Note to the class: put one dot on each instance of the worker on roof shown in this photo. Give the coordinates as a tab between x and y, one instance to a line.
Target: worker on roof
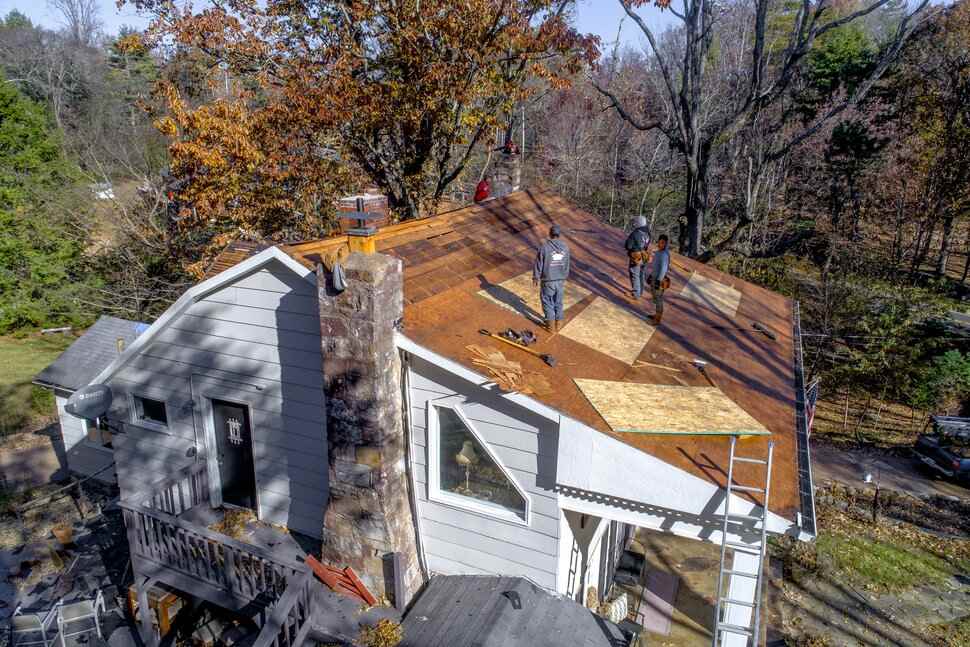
638	251
482	190
550	271
659	281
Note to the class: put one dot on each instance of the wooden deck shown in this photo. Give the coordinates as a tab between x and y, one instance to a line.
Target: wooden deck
170	543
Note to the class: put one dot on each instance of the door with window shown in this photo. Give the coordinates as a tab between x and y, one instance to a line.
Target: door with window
234	453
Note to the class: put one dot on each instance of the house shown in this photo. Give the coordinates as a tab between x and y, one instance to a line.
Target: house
87	444
364	418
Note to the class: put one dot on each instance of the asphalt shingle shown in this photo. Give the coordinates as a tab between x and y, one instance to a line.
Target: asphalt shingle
90	354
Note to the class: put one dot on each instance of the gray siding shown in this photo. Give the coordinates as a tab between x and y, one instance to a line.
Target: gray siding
458	541
255	342
82	457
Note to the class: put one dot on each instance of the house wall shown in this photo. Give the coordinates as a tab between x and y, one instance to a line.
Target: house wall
254	342
82	457
455	540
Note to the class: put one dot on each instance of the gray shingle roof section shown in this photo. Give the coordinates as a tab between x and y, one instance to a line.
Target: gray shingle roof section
90	354
476	610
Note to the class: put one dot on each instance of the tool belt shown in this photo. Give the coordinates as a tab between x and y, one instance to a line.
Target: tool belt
663	284
639	258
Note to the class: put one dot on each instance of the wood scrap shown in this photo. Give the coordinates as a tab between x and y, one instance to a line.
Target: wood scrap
507	374
642	364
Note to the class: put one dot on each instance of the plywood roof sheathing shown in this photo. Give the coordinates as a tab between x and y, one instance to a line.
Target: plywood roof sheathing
630	407
711	293
519	295
609	329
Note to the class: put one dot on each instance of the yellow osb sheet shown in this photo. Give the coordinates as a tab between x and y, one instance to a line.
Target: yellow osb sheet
668	409
519	295
610	329
712	294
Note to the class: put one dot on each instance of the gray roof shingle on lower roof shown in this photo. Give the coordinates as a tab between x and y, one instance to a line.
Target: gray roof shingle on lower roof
465	610
90	354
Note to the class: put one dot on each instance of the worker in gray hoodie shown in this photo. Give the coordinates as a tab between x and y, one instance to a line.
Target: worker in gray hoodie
550	271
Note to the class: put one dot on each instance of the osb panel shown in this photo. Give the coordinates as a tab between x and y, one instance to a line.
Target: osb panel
610	329
519	295
666	409
712	294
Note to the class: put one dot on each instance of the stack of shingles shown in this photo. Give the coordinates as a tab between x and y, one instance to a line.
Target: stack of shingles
508	375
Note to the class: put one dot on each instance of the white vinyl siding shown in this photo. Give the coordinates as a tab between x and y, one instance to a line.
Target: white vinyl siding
459	540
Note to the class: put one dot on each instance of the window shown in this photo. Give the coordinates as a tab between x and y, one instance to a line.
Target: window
468	474
150	411
98	433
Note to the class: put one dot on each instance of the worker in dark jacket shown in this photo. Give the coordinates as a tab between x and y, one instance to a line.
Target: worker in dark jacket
659	279
638	251
551	270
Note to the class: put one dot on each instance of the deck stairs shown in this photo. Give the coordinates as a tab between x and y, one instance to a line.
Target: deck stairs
740	580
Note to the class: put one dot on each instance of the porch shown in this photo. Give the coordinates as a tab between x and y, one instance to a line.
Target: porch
170	542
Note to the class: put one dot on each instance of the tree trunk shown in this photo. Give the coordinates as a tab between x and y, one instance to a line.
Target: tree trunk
944	256
966	261
695	209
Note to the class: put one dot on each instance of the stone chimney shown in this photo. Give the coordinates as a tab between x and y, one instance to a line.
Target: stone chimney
369	513
506	173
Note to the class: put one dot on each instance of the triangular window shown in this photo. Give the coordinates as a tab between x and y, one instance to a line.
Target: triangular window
468	474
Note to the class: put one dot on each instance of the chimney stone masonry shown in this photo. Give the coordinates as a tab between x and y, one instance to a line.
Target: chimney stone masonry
369	512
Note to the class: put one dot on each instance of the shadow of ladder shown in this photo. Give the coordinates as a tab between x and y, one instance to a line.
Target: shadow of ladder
737	621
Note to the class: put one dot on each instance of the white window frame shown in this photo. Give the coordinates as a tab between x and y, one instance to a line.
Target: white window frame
149	424
436	494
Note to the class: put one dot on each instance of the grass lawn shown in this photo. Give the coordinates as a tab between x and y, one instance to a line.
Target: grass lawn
882	565
953	634
876	423
22	403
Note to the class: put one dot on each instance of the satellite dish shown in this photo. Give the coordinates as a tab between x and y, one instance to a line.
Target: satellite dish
90	402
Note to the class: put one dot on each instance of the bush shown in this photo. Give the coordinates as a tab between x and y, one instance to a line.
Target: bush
386	633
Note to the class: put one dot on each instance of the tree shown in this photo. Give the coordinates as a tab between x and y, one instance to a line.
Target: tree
42	276
706	100
406	89
81	19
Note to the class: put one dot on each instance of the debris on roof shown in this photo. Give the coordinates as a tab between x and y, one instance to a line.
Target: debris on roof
664	409
91	353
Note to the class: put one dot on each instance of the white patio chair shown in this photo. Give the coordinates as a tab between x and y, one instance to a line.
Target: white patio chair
33	628
84	613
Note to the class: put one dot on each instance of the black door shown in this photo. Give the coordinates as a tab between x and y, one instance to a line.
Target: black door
234	445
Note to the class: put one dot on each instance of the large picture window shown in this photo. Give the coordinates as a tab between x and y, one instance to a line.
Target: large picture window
467	474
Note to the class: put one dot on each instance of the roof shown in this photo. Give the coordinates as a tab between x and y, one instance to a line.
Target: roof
459	266
90	354
461	610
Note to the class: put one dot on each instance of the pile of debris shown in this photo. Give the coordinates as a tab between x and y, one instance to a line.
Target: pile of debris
508	375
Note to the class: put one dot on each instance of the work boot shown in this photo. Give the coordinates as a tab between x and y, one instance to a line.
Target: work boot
656	318
550	326
556	324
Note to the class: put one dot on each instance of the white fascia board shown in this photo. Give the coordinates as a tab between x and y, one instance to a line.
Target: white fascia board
200	291
591	461
408	345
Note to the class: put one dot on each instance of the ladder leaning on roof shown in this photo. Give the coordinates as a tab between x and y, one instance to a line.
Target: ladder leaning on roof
736	621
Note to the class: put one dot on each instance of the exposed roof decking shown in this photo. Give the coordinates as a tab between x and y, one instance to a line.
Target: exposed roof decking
449	258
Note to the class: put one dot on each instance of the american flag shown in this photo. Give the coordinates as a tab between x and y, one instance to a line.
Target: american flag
811	397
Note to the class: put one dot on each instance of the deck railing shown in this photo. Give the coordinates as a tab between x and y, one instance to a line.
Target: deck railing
196	554
289	622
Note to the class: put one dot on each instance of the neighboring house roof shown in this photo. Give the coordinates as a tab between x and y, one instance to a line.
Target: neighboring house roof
457	268
477	609
90	354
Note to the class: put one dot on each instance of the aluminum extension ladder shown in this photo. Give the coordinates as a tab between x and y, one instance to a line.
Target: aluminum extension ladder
737	622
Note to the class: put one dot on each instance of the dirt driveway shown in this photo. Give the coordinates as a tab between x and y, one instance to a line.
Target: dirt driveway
849	466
